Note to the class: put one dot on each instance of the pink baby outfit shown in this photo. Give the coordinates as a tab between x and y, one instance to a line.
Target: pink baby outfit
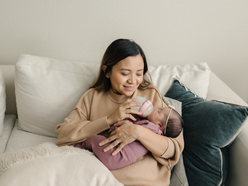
129	154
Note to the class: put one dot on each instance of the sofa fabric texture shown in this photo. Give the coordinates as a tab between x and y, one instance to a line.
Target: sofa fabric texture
61	166
2	101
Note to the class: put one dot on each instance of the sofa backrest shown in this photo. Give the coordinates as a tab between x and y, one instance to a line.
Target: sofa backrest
214	92
47	89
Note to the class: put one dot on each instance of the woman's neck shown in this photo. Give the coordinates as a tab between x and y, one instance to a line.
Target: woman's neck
117	97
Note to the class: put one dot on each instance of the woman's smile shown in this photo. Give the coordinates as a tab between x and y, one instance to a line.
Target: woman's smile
129	88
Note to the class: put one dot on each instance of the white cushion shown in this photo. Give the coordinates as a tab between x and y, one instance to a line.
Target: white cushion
194	76
47	164
48	89
2	101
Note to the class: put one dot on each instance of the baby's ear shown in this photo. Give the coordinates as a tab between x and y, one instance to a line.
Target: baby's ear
160	124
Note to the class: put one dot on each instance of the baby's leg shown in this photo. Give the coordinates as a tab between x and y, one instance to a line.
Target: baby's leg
125	157
129	154
92	141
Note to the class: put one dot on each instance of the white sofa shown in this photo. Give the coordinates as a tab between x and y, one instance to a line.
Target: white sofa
21	110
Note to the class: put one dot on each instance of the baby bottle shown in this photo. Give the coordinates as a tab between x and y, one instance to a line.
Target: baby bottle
146	108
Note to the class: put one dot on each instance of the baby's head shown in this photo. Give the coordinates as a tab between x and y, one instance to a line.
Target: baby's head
168	120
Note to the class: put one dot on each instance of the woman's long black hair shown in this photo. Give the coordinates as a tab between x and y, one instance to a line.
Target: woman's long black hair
117	51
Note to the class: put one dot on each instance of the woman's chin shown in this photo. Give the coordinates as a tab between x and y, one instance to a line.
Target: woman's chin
128	93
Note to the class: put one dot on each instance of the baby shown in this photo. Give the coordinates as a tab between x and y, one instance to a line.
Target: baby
161	121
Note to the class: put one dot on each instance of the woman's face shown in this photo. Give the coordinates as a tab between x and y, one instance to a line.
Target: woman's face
126	75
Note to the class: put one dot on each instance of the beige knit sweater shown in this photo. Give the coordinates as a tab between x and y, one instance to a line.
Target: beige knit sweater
89	117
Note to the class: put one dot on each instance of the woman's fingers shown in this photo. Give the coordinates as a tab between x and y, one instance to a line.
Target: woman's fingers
118	149
115	143
119	123
132	103
124	111
130	116
111	138
113	133
130	112
120	137
116	137
112	145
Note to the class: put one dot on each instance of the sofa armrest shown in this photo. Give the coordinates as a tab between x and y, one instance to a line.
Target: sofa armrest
218	90
238	165
9	121
238	162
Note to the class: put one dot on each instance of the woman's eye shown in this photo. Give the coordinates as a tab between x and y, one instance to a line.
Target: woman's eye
124	74
139	74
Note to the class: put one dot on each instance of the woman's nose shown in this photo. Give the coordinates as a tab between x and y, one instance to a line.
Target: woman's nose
131	79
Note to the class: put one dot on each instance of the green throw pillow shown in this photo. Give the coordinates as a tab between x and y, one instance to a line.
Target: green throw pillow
209	129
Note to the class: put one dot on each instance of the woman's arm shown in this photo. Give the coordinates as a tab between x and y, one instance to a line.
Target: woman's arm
79	125
157	144
76	128
128	132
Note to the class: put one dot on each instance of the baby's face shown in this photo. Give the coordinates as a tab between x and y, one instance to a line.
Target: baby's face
159	115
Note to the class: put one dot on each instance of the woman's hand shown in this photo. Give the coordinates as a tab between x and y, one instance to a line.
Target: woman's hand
123	135
124	111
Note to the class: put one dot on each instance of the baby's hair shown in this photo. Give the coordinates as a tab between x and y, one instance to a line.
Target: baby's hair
174	124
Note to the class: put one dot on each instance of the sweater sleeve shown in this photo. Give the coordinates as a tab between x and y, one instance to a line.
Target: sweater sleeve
77	127
172	154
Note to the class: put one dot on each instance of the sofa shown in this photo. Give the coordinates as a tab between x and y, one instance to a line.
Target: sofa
37	93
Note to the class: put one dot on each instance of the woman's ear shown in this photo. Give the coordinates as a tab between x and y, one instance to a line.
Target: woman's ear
104	67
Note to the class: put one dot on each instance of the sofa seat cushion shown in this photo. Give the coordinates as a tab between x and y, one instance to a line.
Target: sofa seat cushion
9	121
20	139
209	129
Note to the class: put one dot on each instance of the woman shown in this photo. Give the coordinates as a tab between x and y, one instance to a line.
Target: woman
122	75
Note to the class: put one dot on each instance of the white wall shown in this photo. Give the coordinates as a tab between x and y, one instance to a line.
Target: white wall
170	32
